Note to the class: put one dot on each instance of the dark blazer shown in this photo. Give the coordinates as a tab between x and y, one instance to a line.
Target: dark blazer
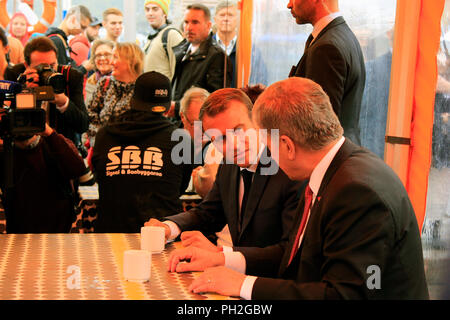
335	61
75	119
362	217
204	68
268	216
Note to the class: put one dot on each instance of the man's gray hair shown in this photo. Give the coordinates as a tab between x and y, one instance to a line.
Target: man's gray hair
225	4
190	95
301	110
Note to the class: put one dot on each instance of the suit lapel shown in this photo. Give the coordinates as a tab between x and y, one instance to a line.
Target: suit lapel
256	191
344	152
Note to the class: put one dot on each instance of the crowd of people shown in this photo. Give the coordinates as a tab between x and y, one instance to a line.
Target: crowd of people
141	120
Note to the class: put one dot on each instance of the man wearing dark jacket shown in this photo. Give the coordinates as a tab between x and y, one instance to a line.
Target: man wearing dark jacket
66	113
200	61
132	159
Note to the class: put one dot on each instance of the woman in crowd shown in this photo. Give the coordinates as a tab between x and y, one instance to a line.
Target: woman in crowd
101	59
113	94
18	27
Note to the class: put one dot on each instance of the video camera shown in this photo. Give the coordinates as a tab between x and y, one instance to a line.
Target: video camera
23	117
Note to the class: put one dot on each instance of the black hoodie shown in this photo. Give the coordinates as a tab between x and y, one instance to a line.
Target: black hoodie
136	175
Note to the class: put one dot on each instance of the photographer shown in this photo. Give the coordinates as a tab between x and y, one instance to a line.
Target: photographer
66	113
41	199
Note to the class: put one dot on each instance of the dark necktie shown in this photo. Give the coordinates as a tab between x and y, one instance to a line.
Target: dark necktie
301	229
308	41
247	176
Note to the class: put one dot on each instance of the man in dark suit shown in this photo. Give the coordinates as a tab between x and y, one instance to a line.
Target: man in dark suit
250	193
332	58
356	234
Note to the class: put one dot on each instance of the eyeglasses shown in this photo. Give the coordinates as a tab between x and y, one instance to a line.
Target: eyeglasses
103	55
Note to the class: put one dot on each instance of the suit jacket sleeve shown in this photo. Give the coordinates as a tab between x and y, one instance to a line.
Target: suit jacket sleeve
76	114
208	217
327	67
255	256
215	74
356	233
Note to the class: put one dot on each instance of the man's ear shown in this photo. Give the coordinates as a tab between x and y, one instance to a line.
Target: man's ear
289	146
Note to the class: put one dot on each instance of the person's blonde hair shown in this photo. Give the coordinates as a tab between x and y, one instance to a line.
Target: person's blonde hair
133	54
109	11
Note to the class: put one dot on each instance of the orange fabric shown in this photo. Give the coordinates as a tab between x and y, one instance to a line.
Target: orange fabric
423	105
4	16
48	15
244	48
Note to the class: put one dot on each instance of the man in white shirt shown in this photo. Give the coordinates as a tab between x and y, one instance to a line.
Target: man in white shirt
356	238
226	20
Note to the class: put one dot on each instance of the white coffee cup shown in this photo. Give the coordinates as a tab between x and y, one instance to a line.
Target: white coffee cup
137	265
153	239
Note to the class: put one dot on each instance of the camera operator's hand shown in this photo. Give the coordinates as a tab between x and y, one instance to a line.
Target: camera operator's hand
32	77
61	101
48	131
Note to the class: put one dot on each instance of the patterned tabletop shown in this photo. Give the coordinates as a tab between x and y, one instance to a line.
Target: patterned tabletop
84	267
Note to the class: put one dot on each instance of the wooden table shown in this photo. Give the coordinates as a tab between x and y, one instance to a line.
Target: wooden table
84	267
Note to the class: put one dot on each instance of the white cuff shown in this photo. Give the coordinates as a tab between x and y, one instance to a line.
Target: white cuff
247	287
64	107
235	260
227	249
174	229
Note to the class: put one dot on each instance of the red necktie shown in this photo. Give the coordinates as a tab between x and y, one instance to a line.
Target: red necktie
308	200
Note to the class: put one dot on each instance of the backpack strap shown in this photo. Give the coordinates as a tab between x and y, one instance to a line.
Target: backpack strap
165	35
65	69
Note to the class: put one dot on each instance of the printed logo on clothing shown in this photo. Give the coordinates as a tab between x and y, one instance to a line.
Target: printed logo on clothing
132	161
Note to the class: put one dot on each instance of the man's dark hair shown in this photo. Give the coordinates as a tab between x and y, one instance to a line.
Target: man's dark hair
202	7
3	37
219	100
41	44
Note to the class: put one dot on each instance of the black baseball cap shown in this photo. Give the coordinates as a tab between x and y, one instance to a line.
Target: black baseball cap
152	92
95	22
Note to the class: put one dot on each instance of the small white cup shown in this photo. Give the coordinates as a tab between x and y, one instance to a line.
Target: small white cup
153	239
137	265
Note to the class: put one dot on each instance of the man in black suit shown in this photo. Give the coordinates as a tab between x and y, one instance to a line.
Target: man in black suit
356	234
333	59
250	193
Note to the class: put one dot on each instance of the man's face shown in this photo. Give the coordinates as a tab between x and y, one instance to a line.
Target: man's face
302	10
92	32
226	19
38	57
113	25
191	116
236	145
155	15
196	26
76	24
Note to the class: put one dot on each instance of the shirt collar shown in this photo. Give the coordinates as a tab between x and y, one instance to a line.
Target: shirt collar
319	171
254	164
222	44
323	22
